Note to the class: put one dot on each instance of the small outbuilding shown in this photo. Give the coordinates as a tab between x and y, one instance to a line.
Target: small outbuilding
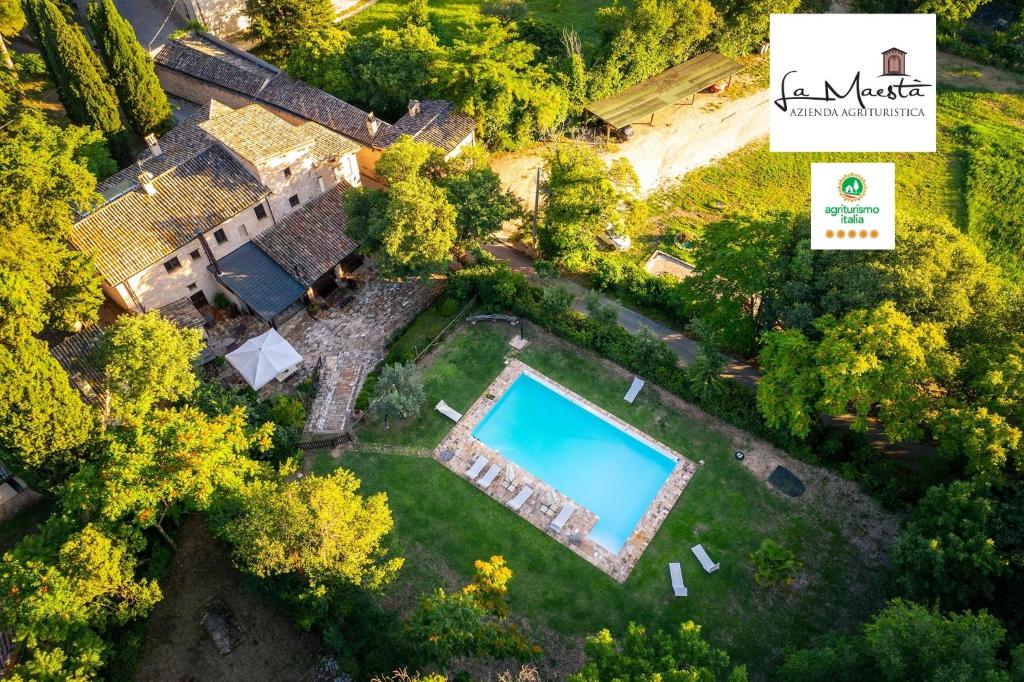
639	103
264	358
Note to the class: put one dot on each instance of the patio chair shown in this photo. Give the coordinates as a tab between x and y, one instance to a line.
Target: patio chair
478	466
675	571
524	494
704	559
634	390
488	478
563	517
447	411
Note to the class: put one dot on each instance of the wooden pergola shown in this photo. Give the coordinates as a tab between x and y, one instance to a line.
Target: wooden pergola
642	101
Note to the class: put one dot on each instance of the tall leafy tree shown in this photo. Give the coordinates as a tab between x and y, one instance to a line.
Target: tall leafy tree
420	231
388	67
643	656
131	69
482	206
43	420
789	390
76	71
398	394
175	461
946	550
493	76
317	528
12	20
282	24
907	641
146	360
61	596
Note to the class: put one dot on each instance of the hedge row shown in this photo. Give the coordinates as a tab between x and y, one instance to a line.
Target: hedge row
498	288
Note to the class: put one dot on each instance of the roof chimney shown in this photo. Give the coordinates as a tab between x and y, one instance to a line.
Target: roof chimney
146	183
154	145
372	124
414	108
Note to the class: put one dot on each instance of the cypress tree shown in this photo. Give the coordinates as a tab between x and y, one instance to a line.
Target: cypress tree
78	74
131	70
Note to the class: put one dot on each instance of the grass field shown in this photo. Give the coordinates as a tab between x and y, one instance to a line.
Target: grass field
443	524
449	18
971	181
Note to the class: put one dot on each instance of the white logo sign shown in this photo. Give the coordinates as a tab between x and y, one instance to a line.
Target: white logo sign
853	206
852	83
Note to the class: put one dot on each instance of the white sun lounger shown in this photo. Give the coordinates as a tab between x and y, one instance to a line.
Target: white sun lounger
678	587
489	477
704	559
478	466
634	390
447	411
562	518
524	494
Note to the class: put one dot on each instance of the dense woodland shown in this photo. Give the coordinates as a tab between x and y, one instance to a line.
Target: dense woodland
927	340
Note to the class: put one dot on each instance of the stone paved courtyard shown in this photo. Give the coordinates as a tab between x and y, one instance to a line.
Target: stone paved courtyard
350	340
545	503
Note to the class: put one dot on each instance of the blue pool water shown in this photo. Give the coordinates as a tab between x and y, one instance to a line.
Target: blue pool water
579	453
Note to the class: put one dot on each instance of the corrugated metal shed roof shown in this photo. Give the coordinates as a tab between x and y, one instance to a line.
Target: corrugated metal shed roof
637	103
261	283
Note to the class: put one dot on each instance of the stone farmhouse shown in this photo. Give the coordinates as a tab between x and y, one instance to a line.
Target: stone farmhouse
201	67
236	202
244	197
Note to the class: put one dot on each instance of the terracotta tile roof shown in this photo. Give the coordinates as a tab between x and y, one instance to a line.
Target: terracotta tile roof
308	243
189	57
136	230
73	355
179	144
255	134
183	314
316	105
329	144
438	122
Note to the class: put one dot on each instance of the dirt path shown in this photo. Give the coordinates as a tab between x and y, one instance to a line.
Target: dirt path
966	73
177	648
682	138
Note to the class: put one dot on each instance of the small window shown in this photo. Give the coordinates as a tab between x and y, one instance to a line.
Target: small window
261	212
195	254
243	231
293	200
220	236
193	286
172	264
287	172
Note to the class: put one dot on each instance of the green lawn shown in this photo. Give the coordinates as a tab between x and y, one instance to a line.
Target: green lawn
930	187
451	17
443	524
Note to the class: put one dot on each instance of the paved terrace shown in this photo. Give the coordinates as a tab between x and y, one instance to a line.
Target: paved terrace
545	502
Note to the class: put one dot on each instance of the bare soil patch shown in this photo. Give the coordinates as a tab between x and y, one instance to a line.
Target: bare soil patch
178	649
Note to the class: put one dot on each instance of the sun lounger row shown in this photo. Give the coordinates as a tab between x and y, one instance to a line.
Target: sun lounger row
524	494
675	570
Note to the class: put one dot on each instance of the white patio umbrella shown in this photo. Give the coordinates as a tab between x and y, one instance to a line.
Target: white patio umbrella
263	357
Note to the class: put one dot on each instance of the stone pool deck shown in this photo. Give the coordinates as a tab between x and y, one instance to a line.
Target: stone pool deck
546	502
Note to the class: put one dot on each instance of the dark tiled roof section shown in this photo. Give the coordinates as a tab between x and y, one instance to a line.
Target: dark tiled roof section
438	122
180	144
184	56
308	243
316	105
137	230
182	313
263	284
73	355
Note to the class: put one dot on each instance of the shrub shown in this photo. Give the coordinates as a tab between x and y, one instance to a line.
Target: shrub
774	564
505	10
221	300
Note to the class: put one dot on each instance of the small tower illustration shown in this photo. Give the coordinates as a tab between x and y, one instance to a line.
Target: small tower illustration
894	62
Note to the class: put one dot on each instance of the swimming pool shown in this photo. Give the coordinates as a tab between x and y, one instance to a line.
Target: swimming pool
578	452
